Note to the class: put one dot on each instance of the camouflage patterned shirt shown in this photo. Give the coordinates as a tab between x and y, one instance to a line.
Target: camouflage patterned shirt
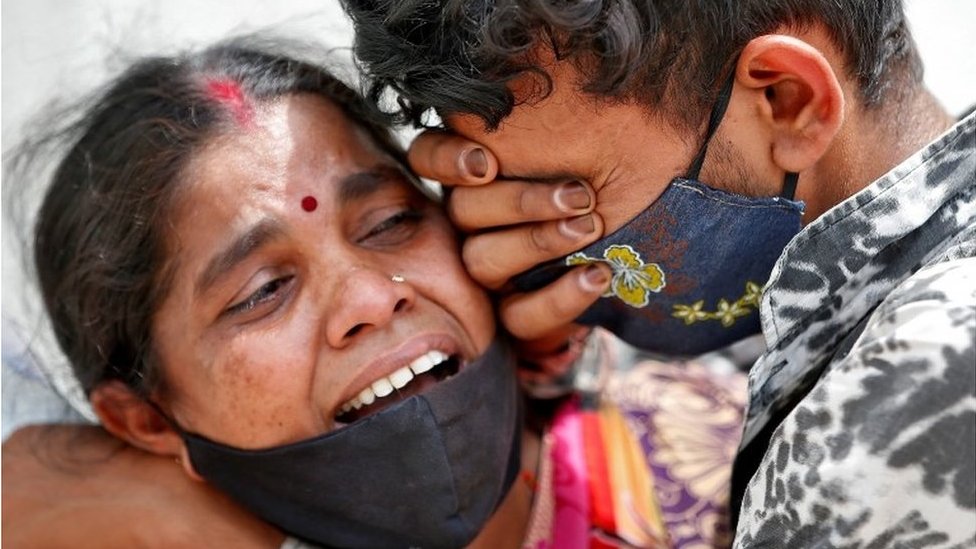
861	422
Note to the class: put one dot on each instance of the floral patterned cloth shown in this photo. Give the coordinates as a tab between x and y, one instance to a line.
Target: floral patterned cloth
688	420
684	419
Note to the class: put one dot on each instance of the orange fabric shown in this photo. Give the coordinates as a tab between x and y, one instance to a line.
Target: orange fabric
598	476
638	520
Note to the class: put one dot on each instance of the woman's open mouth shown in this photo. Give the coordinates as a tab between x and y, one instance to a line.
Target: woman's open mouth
426	370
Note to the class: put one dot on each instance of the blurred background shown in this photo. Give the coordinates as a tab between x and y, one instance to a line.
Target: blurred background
57	50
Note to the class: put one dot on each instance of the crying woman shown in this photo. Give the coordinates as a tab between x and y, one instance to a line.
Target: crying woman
248	281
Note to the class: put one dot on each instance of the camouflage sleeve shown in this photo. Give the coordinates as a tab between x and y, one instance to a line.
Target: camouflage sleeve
881	452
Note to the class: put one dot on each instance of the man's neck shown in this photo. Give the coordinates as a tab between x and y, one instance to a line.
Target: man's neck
869	145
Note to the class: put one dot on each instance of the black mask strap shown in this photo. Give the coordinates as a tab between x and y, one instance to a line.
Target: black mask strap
789	185
714	119
172	422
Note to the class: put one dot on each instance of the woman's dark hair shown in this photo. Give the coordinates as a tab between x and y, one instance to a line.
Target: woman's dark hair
99	247
456	56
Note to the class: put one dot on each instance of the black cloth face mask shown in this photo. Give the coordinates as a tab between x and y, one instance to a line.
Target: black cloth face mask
429	471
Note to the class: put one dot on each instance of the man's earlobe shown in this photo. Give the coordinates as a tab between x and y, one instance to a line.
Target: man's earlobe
799	96
132	419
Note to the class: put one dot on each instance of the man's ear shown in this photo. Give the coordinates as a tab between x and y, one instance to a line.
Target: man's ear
801	101
132	419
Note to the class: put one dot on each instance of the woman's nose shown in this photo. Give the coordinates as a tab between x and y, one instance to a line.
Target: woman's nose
366	299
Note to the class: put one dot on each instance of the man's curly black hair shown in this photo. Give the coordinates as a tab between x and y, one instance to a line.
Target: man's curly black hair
456	56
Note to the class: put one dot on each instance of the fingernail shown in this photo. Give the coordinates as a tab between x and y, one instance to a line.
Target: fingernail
572	196
594	278
474	162
577	227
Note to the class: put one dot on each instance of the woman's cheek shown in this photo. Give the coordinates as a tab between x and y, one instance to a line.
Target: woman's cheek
473	308
442	276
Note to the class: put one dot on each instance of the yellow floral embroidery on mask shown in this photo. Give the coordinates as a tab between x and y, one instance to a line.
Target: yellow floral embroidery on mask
692	313
633	280
752	295
726	313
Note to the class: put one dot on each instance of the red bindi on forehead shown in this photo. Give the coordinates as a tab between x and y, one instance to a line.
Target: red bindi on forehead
309	203
230	94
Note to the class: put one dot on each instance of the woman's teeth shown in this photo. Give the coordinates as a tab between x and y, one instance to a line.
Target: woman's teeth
397	380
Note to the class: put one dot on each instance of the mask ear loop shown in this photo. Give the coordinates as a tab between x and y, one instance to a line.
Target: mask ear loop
789	185
790	180
172	422
714	119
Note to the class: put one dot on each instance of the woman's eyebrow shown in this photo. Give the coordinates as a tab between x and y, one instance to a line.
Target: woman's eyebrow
238	250
361	184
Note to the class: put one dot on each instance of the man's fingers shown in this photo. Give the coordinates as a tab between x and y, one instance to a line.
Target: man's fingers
451	159
533	315
514	202
494	257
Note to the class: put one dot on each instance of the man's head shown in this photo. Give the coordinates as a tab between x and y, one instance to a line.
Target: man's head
459	56
616	94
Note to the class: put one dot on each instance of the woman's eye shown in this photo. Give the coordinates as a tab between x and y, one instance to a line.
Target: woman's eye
395	228
266	293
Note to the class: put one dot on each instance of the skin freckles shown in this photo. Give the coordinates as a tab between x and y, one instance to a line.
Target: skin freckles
279	315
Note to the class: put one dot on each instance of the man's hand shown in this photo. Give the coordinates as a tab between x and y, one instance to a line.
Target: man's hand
77	486
513	226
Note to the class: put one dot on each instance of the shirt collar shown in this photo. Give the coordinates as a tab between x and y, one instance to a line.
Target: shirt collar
841	266
834	250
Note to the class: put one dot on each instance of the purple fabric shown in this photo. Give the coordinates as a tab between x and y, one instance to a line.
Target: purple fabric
688	421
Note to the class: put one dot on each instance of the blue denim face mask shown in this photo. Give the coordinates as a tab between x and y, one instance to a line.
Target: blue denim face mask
689	270
428	471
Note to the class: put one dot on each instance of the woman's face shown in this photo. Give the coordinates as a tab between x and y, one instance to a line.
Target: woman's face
280	318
